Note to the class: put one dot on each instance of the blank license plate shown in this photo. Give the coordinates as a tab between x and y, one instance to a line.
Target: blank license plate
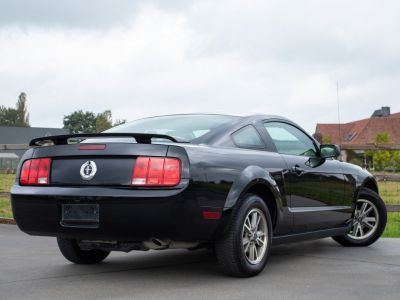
76	215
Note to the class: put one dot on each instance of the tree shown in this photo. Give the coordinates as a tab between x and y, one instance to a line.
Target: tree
326	139
382	138
384	159
88	122
15	116
104	121
7	116
80	122
22	118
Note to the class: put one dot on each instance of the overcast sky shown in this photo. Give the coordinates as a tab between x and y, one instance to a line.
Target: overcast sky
143	58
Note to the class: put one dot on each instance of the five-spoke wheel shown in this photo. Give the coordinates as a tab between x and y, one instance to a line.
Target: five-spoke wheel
254	236
365	220
368	222
244	249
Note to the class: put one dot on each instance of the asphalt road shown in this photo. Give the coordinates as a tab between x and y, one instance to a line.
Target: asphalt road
32	268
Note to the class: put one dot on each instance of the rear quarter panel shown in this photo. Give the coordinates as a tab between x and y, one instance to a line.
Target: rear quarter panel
219	176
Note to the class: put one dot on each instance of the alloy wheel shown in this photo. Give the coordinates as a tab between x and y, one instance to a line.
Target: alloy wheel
365	220
254	236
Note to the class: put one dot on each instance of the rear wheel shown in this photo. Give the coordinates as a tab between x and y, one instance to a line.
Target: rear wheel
71	251
368	222
244	250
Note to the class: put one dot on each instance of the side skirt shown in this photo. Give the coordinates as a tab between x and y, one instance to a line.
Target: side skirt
311	235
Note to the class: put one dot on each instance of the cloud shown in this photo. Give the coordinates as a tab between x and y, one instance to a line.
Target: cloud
239	57
77	13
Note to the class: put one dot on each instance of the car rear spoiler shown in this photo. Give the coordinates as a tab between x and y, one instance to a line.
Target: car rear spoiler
141	138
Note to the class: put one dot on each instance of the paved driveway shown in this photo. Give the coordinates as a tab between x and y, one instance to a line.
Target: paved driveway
31	267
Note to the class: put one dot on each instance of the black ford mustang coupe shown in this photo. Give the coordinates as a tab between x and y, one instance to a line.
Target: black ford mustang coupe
239	184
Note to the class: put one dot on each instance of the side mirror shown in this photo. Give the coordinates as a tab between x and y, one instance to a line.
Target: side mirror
329	150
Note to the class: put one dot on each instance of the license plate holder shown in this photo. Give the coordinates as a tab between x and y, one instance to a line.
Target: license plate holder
80	215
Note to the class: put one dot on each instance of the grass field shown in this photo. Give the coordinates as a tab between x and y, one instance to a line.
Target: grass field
393	225
390	193
5	207
6	181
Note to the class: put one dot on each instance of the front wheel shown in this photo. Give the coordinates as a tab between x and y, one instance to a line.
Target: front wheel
244	250
71	251
368	222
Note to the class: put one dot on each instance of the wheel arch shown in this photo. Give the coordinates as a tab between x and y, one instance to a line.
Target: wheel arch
260	182
264	192
370	183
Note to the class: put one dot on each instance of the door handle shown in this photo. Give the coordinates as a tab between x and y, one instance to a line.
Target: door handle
296	169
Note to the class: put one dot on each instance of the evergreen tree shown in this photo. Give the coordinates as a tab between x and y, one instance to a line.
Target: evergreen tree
22	117
18	116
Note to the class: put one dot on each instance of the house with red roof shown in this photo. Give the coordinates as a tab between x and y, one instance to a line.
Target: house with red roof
355	138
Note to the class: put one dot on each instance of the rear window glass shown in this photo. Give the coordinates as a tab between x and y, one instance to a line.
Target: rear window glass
181	127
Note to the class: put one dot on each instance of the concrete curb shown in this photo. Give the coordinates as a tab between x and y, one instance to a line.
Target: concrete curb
8	221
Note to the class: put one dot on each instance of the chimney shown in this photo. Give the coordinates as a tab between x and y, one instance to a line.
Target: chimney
385	111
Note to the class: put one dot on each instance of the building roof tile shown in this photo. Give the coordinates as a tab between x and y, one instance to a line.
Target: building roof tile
363	132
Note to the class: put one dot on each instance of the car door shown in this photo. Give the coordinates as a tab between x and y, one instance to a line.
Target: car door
315	185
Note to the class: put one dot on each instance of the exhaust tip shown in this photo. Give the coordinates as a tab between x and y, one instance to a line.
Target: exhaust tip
157	242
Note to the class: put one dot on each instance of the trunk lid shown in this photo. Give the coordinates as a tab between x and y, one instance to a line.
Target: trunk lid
111	166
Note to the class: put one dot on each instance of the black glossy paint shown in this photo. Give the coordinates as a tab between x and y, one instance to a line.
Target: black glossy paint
308	197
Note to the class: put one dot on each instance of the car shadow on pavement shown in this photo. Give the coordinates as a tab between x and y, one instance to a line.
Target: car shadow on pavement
172	263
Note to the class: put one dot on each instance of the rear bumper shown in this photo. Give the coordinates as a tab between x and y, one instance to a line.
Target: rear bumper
124	214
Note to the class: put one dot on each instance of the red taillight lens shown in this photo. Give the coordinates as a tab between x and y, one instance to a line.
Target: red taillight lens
35	172
24	176
44	171
172	171
156	171
140	171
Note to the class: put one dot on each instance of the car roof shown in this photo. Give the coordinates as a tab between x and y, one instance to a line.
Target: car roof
239	117
234	124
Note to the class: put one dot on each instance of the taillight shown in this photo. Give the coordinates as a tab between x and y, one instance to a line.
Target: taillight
156	171
35	172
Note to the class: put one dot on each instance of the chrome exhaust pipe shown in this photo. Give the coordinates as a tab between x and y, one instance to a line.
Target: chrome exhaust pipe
155	244
158	244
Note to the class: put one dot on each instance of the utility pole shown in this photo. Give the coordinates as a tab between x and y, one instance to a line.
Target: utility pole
338	112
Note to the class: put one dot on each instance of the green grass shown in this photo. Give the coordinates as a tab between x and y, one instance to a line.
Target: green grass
393	225
390	191
5	207
6	181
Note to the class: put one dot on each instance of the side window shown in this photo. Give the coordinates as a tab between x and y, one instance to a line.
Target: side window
247	137
290	140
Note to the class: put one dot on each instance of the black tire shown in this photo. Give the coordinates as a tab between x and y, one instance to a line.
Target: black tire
71	251
229	250
375	199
